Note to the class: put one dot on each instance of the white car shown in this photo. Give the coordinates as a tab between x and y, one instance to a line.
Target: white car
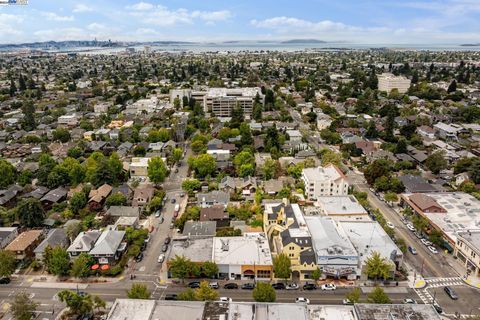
409	301
411	228
426	242
302	300
347	302
225	299
292	286
432	249
390	225
161	258
329	286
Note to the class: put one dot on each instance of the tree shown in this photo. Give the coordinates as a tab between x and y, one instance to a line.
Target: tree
264	292
401	146
78	304
57	261
378	296
187	295
282	266
376	169
316	274
271	169
81	266
116	199
138	291
354	295
78	201
181	267
28	110
330	157
99	303
377	267
210	269
73	229
190	185
61	134
177	154
371	132
203	165
157	170
205	293
436	162
452	87
391	197
23	308
8	174
7	263
30	212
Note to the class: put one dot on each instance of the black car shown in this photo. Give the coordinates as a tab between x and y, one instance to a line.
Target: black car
230	286
248	286
437	307
451	293
139	257
164	248
167	240
172	200
4	280
143	247
171	296
309	286
278	286
194	284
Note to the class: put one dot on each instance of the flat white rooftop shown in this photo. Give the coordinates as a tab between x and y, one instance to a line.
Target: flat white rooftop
251	248
340	205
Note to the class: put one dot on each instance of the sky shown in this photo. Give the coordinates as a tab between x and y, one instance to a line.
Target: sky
352	21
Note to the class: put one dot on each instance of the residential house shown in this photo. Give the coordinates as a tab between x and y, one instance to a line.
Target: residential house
215	213
24	244
142	195
139	167
205	200
246	186
53	196
200	229
109	246
98	196
7	235
448	131
426	132
272	186
83	243
416	184
55	238
123	211
324	181
8	196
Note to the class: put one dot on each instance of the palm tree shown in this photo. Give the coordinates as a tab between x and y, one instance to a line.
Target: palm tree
377	267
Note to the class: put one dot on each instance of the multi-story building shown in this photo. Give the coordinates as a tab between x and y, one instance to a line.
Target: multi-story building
387	82
467	250
324	181
221	101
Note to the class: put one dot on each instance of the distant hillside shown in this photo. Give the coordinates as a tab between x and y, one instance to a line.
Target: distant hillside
293	41
470	45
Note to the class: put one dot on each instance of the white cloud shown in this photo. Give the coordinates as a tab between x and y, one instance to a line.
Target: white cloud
55	17
212	16
7	19
82	8
61	34
141	6
96	27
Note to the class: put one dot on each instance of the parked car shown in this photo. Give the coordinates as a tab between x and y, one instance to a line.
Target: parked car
292	286
437	307
164	248
194	284
451	293
172	200
157	213
426	242
411	227
418	235
172	225
161	258
147	239
302	300
139	257
171	296
167	240
432	249
214	285
347	302
409	301
278	286
4	280
412	250
161	220
390	225
309	286
329	286
225	299
230	286
248	286
182	194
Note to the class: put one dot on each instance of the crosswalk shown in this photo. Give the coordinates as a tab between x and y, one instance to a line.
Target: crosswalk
443	282
424	295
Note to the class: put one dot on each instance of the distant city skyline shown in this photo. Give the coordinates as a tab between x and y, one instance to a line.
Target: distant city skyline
354	21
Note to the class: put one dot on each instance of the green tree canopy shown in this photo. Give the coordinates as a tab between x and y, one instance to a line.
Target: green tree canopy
157	170
138	291
116	199
57	261
8	174
378	296
209	269
203	165
264	292
23	307
191	185
436	162
205	293
354	295
282	266
81	266
30	212
187	295
181	267
78	201
78	304
377	267
7	263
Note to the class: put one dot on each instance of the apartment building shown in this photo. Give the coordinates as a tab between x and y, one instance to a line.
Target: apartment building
387	82
324	181
467	250
221	101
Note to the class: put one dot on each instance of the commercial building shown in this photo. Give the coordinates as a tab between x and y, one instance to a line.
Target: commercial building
324	181
447	212
335	254
387	82
369	237
245	257
340	208
467	250
220	102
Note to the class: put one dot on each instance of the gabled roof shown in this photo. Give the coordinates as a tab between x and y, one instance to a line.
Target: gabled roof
84	241
55	195
108	242
55	237
24	240
123	211
424	202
